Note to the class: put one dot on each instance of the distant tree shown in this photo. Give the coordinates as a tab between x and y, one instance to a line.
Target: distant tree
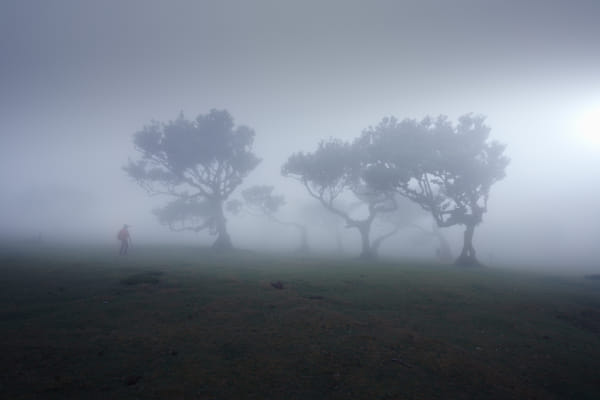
199	163
410	216
260	201
313	214
443	252
185	214
405	215
451	168
337	169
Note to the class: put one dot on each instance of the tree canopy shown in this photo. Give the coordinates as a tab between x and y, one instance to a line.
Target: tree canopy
337	169
261	200
199	163
447	169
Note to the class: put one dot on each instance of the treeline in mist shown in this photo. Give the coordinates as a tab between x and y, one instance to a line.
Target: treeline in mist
447	169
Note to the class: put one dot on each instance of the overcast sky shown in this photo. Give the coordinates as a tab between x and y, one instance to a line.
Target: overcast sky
78	78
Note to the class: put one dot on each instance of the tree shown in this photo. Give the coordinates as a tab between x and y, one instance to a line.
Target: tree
443	251
259	200
199	163
315	215
185	214
337	169
405	215
451	168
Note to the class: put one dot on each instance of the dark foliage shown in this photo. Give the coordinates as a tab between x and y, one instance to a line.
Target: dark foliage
199	163
337	169
447	169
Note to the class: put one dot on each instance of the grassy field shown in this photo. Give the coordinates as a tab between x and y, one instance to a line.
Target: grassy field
169	322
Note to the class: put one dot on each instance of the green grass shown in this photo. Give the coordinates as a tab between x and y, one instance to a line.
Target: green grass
177	322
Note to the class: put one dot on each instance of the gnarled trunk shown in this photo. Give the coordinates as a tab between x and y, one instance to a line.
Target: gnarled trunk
467	256
223	241
303	248
377	242
303	239
366	252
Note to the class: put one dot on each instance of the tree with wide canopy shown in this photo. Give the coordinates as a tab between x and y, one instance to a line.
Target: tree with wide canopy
199	163
337	169
448	169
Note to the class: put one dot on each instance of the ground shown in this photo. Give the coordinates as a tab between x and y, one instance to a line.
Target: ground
176	322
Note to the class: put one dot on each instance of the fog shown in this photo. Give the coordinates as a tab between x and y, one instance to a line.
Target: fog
79	78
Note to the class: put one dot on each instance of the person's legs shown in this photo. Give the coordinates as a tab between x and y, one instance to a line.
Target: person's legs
124	245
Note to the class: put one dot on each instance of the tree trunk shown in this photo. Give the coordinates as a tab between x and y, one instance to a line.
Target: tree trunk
303	249
377	242
223	241
467	256
367	252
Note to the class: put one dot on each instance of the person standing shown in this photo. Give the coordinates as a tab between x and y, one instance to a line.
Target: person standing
125	239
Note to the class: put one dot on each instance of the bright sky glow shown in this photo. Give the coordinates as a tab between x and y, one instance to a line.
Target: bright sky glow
588	127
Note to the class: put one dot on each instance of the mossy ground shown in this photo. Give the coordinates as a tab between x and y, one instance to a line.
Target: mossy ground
175	322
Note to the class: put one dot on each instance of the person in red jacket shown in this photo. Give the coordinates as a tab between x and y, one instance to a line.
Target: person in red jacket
125	239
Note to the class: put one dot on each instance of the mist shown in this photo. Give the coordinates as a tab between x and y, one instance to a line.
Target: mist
80	78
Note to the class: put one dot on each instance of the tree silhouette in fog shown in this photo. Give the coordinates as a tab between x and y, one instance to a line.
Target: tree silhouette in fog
259	200
451	168
199	163
338	169
314	215
410	216
423	229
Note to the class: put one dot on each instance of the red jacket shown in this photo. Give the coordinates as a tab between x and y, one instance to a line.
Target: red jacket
123	234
